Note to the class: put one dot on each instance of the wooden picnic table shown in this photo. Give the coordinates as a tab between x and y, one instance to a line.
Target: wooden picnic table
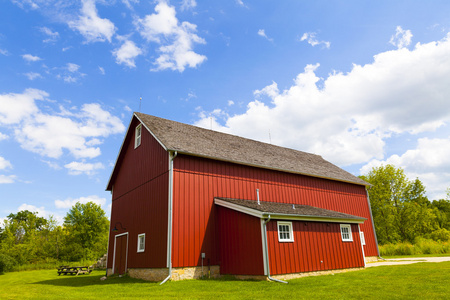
73	270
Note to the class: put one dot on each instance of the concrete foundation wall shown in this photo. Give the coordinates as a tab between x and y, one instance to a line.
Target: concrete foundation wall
371	259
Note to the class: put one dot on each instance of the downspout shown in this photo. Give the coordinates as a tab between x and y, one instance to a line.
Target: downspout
172	156
266	249
373	223
109	234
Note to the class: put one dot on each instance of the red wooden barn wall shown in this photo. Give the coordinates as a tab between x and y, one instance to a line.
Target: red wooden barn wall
140	200
316	247
240	243
197	181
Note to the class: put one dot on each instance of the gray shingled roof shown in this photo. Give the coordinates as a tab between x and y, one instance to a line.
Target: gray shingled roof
192	140
293	210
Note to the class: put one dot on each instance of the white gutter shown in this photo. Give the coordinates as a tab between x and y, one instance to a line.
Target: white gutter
172	156
266	254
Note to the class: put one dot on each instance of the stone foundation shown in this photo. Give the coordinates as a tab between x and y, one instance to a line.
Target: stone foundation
155	274
315	273
371	259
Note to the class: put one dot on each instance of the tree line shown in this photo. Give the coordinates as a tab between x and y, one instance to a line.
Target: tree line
26	238
401	210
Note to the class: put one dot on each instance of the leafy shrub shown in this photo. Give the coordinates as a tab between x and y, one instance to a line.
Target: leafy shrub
441	234
6	263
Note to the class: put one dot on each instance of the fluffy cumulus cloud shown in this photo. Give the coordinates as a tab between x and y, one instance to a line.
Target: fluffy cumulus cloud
68	203
127	54
348	116
176	40
51	36
77	132
429	162
91	26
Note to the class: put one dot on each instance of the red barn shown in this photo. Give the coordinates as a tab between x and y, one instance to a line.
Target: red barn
189	202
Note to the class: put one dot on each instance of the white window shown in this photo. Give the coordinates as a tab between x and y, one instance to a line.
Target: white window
363	240
346	233
141	242
137	136
285	233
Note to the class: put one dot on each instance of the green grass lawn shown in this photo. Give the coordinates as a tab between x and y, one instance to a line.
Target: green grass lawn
420	280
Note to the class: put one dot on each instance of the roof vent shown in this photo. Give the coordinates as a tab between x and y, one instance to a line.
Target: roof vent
257	196
293	206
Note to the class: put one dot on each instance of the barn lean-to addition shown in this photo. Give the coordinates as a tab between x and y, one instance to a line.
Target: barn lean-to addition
189	202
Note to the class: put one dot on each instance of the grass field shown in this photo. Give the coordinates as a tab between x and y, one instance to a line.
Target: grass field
421	280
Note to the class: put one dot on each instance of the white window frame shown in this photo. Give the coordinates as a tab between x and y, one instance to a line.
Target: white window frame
139	249
138	136
291	232
346	233
363	239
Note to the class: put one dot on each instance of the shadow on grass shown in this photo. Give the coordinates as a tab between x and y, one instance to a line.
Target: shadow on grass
91	280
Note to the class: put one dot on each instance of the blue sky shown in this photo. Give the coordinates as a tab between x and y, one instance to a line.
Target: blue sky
361	83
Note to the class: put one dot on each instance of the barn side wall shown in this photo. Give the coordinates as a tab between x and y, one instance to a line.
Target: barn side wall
140	200
317	246
197	181
240	243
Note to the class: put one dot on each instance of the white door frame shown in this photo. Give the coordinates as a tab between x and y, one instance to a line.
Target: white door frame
126	254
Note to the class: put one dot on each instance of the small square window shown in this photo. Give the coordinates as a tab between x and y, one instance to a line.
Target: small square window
137	136
363	239
285	233
141	242
346	233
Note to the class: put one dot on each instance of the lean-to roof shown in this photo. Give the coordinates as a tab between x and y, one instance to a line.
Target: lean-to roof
287	211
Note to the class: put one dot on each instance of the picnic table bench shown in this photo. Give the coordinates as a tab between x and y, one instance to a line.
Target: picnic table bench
73	270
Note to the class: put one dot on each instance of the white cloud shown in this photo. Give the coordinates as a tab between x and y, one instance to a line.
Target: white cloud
128	3
429	162
7	178
102	70
230	102
349	117
41	212
16	107
310	38
188	4
77	131
176	40
5	164
262	33
49	135
3	136
127	54
4	52
70	73
71	67
78	168
91	26
241	3
402	38
33	75
68	203
52	36
29	57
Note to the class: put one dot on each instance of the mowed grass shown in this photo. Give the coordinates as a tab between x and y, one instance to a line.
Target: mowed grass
420	280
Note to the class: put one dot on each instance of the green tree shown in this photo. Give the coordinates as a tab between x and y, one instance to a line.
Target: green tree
85	231
400	208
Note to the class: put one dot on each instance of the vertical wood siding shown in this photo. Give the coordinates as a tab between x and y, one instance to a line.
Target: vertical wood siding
316	247
197	181
240	243
140	200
